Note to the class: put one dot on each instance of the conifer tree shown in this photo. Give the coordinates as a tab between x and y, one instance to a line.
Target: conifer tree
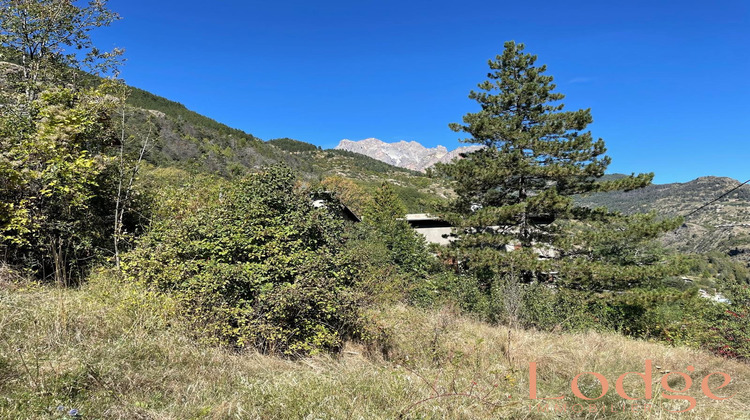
516	193
384	216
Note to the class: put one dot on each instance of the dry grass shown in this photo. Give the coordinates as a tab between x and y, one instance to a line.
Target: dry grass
112	352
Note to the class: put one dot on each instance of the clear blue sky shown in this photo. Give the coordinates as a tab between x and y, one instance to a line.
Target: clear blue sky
667	81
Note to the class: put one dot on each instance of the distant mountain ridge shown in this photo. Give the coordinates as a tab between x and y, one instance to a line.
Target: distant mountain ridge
410	155
723	225
681	199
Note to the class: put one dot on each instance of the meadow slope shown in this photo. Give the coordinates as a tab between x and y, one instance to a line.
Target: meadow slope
113	351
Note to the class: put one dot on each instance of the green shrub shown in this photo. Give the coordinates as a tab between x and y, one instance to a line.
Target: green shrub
255	265
722	328
379	280
453	290
58	186
384	222
548	309
666	314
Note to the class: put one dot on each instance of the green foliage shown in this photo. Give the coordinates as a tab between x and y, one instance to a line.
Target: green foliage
530	143
51	40
725	328
514	211
665	314
721	327
56	182
379	281
445	288
390	259
294	146
385	218
411	191
349	192
549	309
687	319
385	208
255	265
414	199
58	186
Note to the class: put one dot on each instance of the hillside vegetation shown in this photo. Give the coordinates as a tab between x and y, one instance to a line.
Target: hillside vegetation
155	263
182	138
722	226
112	350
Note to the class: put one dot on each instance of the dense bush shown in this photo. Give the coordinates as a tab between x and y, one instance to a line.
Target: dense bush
58	186
664	314
255	265
445	288
723	328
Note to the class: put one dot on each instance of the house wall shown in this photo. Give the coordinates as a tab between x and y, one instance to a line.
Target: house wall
434	235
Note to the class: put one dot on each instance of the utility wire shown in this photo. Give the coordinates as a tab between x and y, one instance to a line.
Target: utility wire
717	198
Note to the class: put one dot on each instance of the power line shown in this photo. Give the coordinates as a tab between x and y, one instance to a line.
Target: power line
717	198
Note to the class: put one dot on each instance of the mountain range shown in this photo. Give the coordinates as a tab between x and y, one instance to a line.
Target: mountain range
186	139
723	225
405	154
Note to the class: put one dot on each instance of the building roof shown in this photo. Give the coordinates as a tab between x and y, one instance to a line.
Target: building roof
419	217
326	199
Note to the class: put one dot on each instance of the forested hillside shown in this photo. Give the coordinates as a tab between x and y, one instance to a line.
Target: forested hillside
182	138
723	225
179	137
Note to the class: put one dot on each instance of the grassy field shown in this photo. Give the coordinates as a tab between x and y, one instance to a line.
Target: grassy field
112	351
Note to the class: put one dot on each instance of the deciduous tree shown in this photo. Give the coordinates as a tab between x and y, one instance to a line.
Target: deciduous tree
51	40
57	179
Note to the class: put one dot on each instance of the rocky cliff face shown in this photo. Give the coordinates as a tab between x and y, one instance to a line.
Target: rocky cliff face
410	155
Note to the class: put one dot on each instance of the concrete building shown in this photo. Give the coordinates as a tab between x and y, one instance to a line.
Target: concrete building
438	231
434	230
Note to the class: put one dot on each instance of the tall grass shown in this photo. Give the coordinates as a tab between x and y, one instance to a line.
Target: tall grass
113	351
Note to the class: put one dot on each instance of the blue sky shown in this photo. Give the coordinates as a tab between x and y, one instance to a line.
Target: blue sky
667	81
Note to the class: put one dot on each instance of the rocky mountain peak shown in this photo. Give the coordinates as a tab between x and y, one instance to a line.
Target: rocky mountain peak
406	154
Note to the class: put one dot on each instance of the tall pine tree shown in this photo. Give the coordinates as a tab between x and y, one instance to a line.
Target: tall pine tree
514	210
